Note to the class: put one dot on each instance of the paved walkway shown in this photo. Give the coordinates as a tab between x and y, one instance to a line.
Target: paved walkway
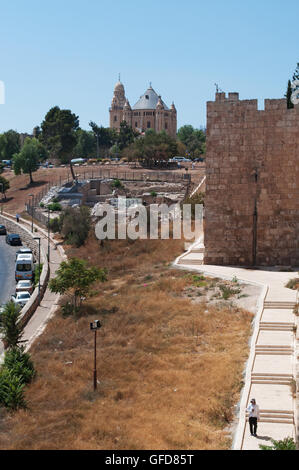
271	369
48	304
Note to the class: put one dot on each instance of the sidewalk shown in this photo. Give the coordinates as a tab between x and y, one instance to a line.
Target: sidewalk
271	369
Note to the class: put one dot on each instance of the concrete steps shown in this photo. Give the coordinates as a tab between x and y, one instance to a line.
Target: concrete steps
277	304
274	379
269	349
275	416
276	326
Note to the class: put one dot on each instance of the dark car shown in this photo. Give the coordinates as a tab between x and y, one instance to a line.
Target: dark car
13	239
2	230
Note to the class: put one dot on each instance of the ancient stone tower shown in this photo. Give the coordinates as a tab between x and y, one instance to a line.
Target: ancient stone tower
252	185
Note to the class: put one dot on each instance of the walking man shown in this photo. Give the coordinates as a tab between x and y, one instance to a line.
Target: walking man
254	416
18	218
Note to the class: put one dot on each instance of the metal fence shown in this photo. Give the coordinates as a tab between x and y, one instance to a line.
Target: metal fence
101	173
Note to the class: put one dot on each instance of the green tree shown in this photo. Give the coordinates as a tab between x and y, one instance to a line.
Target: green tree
11	390
288	95
193	139
105	138
75	279
286	444
9	144
29	157
10	327
75	225
152	148
58	133
4	185
20	364
86	144
296	73
126	135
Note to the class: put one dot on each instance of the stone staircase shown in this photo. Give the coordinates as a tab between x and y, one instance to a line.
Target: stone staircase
277	304
275	416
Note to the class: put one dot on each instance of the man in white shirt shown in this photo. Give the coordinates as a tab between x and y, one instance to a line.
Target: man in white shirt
254	416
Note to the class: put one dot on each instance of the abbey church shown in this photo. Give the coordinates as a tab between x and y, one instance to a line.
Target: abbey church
150	112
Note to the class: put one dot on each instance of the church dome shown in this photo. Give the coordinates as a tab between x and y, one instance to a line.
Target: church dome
149	100
119	88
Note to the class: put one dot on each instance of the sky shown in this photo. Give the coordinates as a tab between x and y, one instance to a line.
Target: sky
69	53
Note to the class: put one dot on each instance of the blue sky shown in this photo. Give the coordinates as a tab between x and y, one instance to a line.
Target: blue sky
69	53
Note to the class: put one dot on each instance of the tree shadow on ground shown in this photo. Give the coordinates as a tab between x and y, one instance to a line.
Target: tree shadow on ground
33	185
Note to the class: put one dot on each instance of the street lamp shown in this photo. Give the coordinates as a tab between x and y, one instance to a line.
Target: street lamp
39	273
31	195
1	197
95	326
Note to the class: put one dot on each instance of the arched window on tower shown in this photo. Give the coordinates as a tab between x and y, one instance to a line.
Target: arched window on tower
115	118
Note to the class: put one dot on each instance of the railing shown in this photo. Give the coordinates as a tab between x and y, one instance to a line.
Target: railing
102	173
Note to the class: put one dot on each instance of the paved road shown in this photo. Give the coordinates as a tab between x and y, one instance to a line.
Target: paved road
7	270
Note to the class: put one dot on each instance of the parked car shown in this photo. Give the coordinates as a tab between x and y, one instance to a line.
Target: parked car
21	298
23	251
13	239
2	230
24	286
24	267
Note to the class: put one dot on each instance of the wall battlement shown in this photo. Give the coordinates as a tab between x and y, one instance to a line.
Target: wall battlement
252	186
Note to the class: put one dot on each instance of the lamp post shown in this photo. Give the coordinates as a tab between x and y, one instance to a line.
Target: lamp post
95	326
39	273
31	195
1	197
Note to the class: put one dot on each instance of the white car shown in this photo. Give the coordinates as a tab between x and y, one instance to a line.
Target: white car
24	286
21	298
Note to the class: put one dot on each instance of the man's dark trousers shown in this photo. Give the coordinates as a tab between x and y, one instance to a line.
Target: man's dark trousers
253	425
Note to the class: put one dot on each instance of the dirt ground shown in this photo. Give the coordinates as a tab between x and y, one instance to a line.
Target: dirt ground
18	194
170	369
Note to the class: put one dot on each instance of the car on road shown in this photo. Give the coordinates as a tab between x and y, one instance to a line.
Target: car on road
24	286
24	267
2	230
23	251
21	298
13	239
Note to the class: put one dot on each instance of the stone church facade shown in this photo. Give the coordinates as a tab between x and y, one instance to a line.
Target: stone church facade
150	112
252	184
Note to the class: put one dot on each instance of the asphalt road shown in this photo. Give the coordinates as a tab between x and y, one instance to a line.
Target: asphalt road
7	270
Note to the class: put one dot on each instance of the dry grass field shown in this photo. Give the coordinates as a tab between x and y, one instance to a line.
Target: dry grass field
170	370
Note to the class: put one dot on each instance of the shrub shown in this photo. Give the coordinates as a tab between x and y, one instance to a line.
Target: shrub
153	194
19	363
42	205
285	444
55	225
75	225
37	272
293	284
11	390
55	207
10	327
117	184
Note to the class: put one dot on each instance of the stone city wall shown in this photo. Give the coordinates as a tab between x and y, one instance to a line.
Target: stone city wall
252	185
